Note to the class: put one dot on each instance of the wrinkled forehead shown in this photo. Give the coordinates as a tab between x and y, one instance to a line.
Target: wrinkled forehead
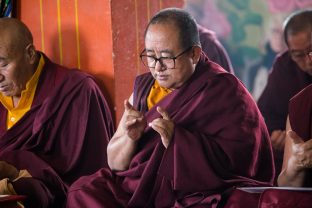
11	41
6	42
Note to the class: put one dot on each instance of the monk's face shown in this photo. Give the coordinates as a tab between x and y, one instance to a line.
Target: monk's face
14	67
300	45
162	40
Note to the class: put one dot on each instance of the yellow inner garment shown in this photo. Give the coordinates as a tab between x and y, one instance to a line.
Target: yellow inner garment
156	94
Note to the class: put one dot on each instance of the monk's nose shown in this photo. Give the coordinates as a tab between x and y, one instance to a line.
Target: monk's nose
160	66
1	77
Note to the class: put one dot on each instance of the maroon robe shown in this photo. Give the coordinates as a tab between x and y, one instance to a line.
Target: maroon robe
285	80
300	113
220	141
62	137
300	118
214	49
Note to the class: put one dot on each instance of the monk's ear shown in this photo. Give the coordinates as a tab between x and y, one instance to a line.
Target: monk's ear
31	53
196	54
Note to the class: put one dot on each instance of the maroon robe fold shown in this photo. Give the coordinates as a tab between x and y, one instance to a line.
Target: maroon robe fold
300	118
285	80
219	141
300	113
213	48
62	137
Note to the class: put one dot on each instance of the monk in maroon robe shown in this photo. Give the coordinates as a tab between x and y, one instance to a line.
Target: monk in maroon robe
291	72
189	132
213	48
65	132
297	164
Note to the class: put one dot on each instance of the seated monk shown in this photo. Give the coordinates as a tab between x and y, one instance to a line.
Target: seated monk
189	132
291	72
54	122
297	164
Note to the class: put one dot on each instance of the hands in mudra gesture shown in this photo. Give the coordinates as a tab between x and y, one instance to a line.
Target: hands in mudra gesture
135	123
301	157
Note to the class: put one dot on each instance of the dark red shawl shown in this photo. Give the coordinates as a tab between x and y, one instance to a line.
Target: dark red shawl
62	137
300	113
220	141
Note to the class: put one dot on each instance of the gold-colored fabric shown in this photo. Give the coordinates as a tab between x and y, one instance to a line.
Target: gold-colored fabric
6	188
27	97
156	94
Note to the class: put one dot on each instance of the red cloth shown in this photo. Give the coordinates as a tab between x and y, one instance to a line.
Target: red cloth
269	198
285	199
300	113
220	140
62	137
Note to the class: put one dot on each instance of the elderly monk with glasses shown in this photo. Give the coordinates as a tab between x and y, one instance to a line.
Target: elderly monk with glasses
189	132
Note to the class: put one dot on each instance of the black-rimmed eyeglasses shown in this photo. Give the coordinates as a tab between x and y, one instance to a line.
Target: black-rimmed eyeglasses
168	62
299	55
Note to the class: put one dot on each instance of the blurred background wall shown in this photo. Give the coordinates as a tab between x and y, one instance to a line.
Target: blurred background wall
250	30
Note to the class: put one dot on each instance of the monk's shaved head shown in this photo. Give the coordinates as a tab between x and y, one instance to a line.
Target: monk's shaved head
15	33
18	57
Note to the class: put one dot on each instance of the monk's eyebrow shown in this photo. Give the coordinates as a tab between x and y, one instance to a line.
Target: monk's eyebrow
162	51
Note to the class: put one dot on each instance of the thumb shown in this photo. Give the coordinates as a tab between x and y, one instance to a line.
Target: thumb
163	113
294	137
127	105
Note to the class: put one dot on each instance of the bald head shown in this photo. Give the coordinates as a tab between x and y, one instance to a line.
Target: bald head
297	22
15	33
18	57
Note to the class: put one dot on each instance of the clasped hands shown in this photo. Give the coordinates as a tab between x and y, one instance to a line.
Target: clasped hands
135	123
301	152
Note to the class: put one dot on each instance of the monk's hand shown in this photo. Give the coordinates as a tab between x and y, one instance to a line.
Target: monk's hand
8	171
134	123
164	126
278	139
301	157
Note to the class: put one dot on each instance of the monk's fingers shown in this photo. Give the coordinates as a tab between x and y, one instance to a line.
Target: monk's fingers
294	137
305	161
131	113
278	139
308	145
130	122
164	128
277	134
164	134
130	110
127	105
163	113
133	121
